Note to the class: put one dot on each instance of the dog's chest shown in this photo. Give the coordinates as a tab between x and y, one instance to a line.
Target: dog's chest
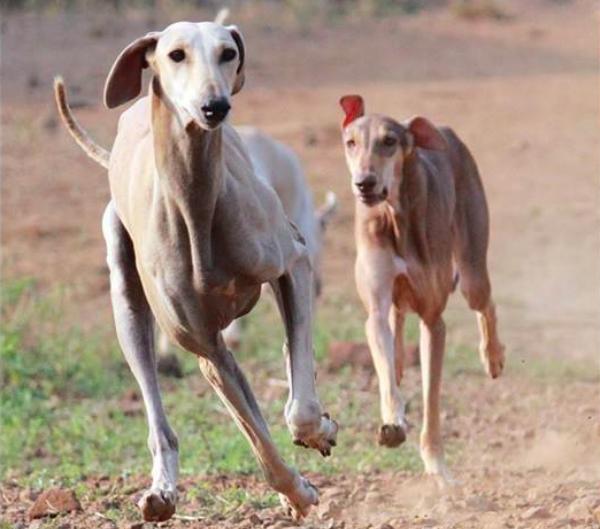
419	283
183	294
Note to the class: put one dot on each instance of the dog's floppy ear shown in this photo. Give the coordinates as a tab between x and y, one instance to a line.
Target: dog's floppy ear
353	106
241	69
426	134
124	81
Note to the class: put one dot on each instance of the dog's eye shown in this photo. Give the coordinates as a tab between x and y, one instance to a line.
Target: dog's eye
350	144
177	55
389	141
228	55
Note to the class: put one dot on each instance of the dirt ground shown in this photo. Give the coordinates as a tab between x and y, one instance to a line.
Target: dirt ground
523	93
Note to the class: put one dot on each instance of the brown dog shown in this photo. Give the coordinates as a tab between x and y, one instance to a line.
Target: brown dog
421	216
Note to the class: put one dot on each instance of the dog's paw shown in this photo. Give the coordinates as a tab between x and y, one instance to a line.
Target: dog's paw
299	501
324	439
157	505
493	360
391	435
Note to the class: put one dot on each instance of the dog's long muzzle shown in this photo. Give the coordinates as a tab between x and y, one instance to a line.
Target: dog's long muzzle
367	193
215	111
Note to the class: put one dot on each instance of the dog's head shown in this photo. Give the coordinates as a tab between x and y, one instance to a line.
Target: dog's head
198	67
377	146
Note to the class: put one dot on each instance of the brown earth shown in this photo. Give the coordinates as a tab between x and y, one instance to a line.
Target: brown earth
530	454
53	502
523	93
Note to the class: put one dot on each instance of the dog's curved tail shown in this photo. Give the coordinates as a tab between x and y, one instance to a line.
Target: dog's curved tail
327	211
222	16
90	147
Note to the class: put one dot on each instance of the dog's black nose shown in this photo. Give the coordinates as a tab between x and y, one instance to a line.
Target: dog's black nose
367	185
216	110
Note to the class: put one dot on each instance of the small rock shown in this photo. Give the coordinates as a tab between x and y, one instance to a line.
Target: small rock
136	525
52	502
535	513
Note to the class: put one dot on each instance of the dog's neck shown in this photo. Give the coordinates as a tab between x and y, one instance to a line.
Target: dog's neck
407	207
189	170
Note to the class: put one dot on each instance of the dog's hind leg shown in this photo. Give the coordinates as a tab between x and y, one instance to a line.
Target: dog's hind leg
470	256
134	325
471	236
475	288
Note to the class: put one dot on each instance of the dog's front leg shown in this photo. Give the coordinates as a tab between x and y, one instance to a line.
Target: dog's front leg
375	274
134	325
222	372
309	426
431	347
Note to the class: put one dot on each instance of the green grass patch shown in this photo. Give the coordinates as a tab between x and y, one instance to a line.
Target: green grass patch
62	415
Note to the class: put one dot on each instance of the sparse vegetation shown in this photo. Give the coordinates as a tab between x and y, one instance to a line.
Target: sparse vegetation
302	12
69	408
479	9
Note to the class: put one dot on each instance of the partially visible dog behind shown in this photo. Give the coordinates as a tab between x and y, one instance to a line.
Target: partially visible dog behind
192	234
421	221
